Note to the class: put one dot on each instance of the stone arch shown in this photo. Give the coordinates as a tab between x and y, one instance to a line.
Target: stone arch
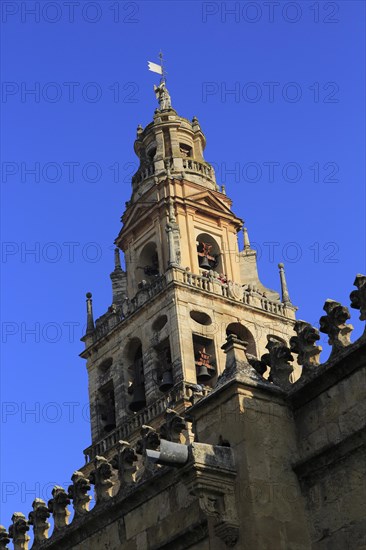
148	263
243	333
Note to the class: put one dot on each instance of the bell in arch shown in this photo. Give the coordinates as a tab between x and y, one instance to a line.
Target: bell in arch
167	381
204	370
203	374
205	264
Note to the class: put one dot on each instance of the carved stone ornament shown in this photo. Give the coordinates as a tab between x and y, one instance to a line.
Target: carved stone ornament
18	531
334	324
124	462
304	345
100	477
78	491
149	440
58	507
235	291
173	426
4	538
358	297
278	360
38	518
215	490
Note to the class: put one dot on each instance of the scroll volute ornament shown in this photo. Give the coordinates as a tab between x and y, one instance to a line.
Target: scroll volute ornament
78	491
100	477
18	531
38	518
358	297
4	538
173	427
278	359
304	345
58	507
124	462
149	440
334	324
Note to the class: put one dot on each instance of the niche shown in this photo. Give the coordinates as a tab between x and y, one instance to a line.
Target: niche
159	323
105	365
106	408
205	359
200	317
243	334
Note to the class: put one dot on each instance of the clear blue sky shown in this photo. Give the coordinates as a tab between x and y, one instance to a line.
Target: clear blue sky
293	131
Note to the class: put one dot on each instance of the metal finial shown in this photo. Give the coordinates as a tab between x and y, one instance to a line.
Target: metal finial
284	289
89	314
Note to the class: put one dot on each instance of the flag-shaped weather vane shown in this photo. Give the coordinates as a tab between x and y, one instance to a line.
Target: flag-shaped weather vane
161	92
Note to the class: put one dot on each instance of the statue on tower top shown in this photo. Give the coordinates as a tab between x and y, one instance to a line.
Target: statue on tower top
161	92
163	97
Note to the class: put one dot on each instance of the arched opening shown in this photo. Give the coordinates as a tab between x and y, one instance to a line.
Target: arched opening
148	264
106	408
164	367
151	153
243	334
209	254
136	388
185	150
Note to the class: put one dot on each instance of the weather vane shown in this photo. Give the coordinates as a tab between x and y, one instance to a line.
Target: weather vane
161	92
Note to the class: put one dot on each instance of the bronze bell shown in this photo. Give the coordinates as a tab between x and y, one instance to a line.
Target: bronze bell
205	264
203	374
138	400
166	381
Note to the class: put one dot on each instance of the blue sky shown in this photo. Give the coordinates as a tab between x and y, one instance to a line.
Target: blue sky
279	92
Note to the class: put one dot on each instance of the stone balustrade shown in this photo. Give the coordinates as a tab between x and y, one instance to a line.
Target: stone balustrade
201	168
246	295
143	173
181	391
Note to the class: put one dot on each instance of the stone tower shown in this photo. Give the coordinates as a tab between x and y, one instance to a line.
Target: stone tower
204	436
185	287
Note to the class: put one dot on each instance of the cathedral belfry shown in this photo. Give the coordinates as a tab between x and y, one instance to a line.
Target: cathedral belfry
206	434
185	288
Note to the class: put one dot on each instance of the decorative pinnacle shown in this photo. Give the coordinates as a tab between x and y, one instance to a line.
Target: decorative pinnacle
285	295
246	238
117	259
89	314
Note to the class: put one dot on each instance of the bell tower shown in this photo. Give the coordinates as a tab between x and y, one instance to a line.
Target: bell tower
186	286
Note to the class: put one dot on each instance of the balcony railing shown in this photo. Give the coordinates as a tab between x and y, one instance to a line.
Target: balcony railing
202	168
233	291
143	173
181	392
